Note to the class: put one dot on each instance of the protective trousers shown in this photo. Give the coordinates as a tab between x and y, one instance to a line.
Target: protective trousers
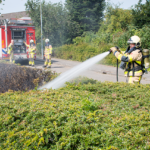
12	57
134	79
31	59
47	60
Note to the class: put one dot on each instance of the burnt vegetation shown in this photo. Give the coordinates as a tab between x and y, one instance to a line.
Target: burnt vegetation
18	78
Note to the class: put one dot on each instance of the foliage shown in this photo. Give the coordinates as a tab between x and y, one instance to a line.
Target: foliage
83	51
117	19
85	15
92	116
1	3
16	78
141	13
115	30
79	52
143	33
53	20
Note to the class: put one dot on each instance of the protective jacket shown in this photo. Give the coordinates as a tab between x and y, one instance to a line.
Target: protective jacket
32	48
48	49
10	48
132	59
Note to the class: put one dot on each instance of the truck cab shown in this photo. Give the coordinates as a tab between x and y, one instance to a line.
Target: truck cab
20	30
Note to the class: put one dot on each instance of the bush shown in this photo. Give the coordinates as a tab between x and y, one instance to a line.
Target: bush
82	116
19	78
82	52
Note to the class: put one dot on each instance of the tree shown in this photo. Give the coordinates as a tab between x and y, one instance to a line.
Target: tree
2	4
116	22
53	18
84	15
141	13
116	19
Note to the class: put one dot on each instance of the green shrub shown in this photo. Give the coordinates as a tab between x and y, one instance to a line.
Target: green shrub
82	116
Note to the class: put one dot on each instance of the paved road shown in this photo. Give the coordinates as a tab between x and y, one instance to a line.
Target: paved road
98	72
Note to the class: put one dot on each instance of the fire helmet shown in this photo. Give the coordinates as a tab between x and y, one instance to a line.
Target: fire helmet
135	40
31	41
47	40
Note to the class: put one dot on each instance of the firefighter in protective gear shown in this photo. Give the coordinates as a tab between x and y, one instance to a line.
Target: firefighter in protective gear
11	51
32	50
47	52
131	60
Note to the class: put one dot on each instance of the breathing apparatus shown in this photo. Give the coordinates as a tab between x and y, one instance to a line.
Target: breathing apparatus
145	60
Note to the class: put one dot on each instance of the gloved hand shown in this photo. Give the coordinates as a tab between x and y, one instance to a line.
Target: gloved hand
113	49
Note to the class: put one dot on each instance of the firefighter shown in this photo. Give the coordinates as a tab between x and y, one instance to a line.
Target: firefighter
32	49
11	51
131	60
47	52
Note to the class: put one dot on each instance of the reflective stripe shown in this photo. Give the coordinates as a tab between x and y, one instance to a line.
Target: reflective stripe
139	62
140	71
130	80
140	78
119	56
130	58
45	63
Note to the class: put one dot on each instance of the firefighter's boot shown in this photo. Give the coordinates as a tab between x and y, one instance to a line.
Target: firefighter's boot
30	63
33	63
45	64
49	65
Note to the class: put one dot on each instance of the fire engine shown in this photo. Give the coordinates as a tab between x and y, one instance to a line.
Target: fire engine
19	30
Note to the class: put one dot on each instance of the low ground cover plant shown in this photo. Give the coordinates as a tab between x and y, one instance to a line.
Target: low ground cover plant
91	116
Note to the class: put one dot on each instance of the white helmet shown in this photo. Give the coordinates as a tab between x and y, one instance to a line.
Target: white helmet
135	40
47	40
31	41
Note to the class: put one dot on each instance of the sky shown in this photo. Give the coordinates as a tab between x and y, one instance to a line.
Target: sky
18	5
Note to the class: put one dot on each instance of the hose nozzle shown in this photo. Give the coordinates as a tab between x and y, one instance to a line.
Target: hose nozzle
110	51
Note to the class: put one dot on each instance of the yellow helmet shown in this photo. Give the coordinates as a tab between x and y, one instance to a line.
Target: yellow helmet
135	40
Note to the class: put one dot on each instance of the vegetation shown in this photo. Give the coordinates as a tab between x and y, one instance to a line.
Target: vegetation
53	19
85	15
17	78
141	14
115	30
81	30
63	23
108	116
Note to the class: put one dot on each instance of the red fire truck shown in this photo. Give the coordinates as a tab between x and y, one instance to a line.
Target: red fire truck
19	30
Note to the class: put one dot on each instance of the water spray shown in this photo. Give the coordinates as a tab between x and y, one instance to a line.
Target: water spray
74	72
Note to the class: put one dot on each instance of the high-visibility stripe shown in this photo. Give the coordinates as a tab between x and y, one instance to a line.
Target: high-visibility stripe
130	58
139	62
140	78
130	80
140	71
119	56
